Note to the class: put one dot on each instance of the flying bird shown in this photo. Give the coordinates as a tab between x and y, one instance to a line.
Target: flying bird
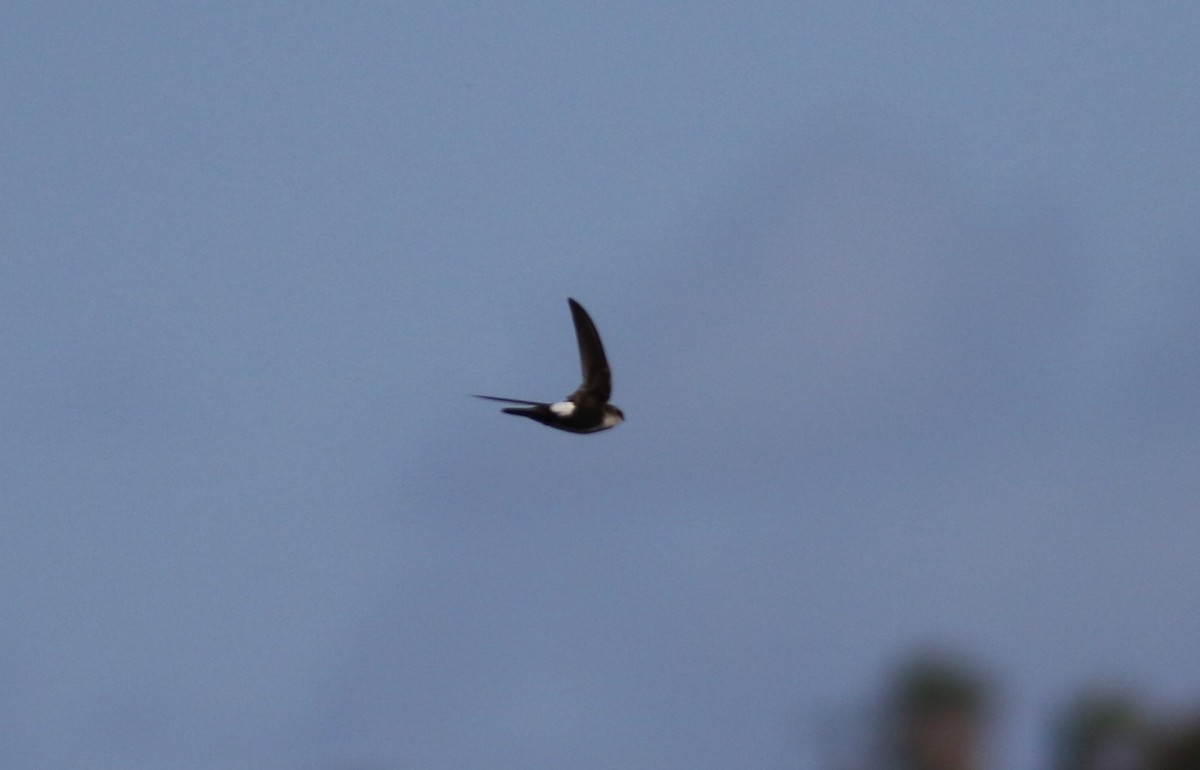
587	409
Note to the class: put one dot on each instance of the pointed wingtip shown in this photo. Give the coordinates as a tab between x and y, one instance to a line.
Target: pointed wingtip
503	400
576	308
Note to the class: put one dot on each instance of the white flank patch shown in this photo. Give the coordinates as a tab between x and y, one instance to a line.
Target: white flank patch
563	408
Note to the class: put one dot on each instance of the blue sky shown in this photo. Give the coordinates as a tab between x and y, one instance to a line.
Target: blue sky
901	306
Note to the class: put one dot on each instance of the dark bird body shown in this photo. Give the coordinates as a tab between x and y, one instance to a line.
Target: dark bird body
587	409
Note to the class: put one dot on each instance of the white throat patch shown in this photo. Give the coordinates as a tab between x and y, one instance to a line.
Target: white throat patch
610	420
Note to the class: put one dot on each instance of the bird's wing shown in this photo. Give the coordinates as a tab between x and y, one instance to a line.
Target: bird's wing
511	400
597	379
